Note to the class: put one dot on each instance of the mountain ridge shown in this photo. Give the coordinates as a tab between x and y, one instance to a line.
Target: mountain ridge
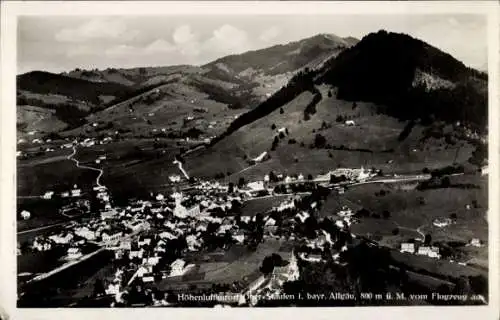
238	81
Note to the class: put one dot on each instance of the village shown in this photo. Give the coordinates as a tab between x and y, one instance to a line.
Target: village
157	242
152	236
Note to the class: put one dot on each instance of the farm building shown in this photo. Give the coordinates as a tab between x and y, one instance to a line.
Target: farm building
408	247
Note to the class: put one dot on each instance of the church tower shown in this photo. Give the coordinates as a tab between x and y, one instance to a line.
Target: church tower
293	268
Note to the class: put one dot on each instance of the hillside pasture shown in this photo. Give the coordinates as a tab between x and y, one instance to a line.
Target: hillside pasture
165	109
374	141
412	212
36	179
42	120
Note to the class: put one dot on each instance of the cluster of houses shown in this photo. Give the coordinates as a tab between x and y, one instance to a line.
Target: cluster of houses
144	230
75	192
66	239
189	216
442	222
354	175
424	250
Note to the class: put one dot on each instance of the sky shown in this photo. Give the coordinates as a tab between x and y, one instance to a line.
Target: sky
63	43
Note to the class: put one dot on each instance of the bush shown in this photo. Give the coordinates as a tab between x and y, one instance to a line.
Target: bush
292	141
282	111
275	143
319	141
427	239
241	182
445	182
447	170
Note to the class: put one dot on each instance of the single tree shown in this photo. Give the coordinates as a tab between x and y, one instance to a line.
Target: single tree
445	182
241	182
427	239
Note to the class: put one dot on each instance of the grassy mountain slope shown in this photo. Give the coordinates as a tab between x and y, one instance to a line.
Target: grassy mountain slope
374	141
221	90
67	100
413	93
267	70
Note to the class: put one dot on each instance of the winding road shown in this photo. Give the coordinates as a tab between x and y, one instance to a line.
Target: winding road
414	230
179	164
78	165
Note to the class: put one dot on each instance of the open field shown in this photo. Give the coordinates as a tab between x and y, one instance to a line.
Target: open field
43	213
412	212
39	262
407	210
55	175
262	205
236	264
434	266
59	289
245	265
130	165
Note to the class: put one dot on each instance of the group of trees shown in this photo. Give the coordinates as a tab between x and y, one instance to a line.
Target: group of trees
337	179
70	113
479	155
277	140
448	170
311	106
435	183
271	261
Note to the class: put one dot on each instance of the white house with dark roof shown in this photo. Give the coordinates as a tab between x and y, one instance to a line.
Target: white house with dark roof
408	247
432	252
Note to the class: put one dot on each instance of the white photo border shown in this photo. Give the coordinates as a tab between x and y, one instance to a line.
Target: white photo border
9	14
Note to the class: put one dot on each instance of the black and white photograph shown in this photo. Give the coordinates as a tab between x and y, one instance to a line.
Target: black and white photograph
252	160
